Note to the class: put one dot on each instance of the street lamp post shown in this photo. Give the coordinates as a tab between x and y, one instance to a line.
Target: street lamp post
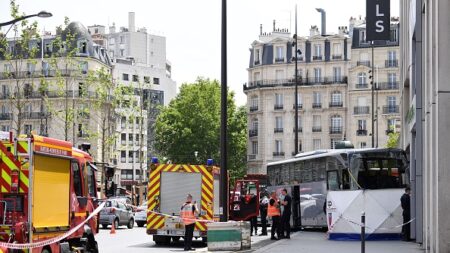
41	14
223	209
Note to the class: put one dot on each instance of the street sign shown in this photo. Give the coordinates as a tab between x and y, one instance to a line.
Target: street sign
378	15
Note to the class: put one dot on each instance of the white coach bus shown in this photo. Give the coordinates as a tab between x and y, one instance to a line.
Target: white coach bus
331	188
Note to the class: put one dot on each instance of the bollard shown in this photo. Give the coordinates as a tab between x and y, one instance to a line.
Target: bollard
363	232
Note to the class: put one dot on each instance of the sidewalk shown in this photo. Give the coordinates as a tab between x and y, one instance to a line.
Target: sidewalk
316	242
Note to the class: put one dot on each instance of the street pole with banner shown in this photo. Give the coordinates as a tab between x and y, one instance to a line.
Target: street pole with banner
378	24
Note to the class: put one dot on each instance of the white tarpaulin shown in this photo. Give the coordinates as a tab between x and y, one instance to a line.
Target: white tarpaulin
382	208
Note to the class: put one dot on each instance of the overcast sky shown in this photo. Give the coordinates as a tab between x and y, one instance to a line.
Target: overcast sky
192	28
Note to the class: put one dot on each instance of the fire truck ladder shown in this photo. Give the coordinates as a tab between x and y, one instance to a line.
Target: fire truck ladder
27	157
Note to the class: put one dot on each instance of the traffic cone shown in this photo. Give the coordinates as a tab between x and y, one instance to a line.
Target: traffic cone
113	228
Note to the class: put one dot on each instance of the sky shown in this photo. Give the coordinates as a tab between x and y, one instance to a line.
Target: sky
192	28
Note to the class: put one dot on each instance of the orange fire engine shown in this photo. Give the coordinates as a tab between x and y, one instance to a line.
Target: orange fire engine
47	188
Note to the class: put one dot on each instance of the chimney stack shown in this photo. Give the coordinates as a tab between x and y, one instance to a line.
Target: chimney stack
112	29
131	26
324	20
260	29
274	25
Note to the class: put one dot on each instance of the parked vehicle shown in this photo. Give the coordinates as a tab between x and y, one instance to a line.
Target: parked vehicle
140	216
117	212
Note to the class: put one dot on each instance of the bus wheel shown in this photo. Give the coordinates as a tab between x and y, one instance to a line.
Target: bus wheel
46	250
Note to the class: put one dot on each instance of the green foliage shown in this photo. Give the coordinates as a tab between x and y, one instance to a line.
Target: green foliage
191	123
393	139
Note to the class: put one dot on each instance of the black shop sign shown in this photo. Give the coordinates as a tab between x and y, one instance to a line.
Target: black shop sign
378	15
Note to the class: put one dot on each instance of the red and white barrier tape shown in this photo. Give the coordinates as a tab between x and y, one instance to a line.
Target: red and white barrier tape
173	216
52	240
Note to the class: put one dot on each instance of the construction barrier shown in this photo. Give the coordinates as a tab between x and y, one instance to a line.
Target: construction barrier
232	235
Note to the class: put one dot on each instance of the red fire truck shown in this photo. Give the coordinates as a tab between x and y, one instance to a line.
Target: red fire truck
47	189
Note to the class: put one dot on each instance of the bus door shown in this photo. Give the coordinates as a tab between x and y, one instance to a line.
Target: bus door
245	200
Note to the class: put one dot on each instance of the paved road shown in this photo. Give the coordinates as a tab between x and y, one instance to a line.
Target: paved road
136	240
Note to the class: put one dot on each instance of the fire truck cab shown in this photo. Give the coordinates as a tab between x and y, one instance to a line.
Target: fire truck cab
47	187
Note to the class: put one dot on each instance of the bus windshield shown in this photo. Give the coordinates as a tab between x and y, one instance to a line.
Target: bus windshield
379	170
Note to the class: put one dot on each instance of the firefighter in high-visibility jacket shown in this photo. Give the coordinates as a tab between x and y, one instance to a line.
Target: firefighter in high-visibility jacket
273	211
187	214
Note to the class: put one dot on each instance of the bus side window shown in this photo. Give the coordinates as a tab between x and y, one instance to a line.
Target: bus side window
333	180
345	180
77	179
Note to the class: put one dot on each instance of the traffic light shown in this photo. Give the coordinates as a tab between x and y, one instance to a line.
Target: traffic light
371	77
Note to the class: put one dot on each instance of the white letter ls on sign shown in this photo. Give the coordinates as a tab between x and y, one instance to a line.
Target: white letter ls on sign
379	25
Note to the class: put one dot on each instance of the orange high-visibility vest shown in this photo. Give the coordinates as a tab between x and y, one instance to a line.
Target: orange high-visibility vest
187	214
273	210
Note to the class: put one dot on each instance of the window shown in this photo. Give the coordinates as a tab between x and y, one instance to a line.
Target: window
278	146
48	48
362	36
299	99
392	55
362	124
130	156
135	78
317	144
111	53
336	98
254	147
392	80
392	124
336	49
126	174
155	80
123	122
30	67
362	78
76	181
278	99
317	75
82	46
394	35
256	77
125	77
27	90
337	74
316	121
333	180
256	56
279	54
5	128
122	52
28	128
336	124
5	90
45	68
299	73
279	122
121	40
84	67
317	97
123	138
146	79
317	50
123	156
130	138
28	108
362	144
151	53
391	101
333	143
255	124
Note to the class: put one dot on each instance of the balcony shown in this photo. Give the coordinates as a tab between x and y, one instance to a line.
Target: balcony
388	86
317	105
299	58
268	83
252	133
300	129
278	130
256	62
253	108
389	131
391	109
336	104
391	63
278	107
34	115
337	57
251	157
336	130
299	106
317	58
278	154
363	63
361	132
358	110
5	116
361	86
316	129
279	60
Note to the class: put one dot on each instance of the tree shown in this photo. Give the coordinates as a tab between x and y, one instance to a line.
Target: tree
19	56
393	138
188	130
